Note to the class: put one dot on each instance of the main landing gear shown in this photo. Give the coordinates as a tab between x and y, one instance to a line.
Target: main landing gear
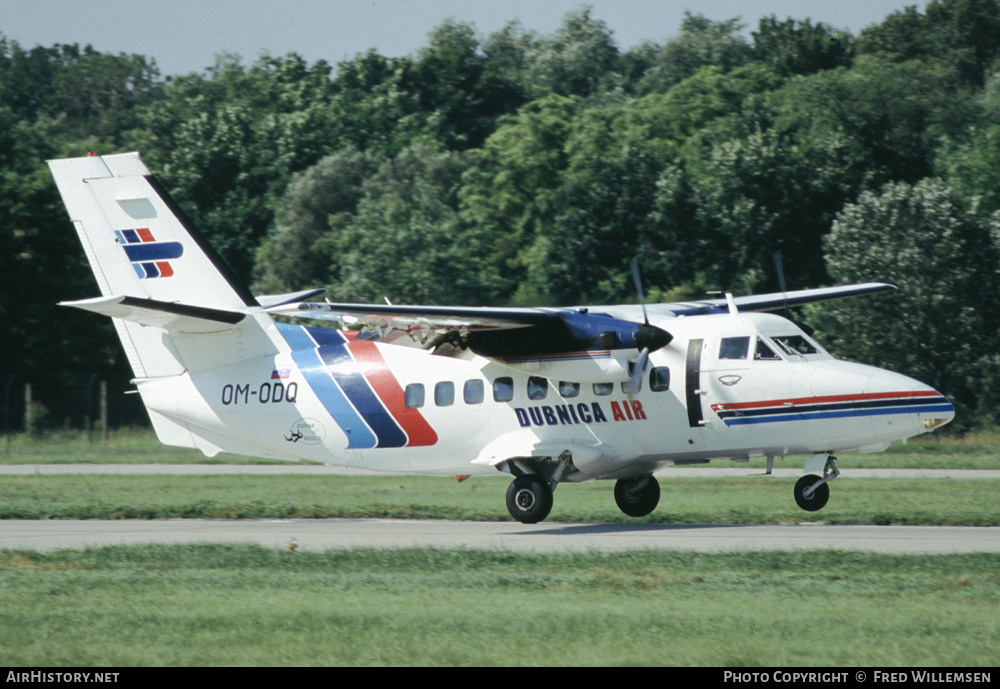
637	497
529	499
812	492
529	496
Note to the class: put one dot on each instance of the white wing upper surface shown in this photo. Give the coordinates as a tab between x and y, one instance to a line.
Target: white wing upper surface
429	326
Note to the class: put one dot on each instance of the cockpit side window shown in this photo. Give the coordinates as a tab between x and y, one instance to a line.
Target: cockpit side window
734	348
764	352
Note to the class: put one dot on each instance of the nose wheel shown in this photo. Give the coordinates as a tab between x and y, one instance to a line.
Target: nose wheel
812	492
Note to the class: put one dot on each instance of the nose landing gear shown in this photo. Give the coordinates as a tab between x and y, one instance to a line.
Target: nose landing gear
812	492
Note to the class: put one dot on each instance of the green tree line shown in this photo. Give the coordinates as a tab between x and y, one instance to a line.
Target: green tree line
527	169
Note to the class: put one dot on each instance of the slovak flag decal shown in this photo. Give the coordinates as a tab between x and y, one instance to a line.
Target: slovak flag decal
150	258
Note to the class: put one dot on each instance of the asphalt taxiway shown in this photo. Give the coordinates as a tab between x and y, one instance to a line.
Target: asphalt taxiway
322	534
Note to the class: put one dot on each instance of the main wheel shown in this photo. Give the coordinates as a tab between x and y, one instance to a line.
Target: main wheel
529	499
636	499
819	497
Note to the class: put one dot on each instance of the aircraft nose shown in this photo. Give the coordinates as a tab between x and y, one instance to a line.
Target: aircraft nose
934	411
926	408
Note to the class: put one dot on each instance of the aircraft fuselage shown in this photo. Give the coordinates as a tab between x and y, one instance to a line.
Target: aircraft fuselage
727	386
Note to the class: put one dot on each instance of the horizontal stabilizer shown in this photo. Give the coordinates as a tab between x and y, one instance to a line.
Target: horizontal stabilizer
159	314
274	300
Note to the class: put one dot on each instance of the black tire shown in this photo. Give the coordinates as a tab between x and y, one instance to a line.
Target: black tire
635	501
819	497
529	499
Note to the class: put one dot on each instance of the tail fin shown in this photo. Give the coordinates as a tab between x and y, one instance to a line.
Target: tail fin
154	269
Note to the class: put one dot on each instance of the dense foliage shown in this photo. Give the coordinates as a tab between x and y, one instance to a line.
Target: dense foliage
518	168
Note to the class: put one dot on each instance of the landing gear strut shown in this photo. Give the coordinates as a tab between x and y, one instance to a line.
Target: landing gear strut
637	497
812	492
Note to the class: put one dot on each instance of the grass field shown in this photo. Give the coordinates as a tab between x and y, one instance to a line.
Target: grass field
752	500
126	446
244	605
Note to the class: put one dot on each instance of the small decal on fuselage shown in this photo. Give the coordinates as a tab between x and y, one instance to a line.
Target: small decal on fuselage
306	432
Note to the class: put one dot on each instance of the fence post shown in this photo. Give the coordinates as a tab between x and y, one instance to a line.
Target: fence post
6	407
27	410
104	411
88	418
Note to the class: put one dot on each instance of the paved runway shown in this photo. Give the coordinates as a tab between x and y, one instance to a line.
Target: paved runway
321	534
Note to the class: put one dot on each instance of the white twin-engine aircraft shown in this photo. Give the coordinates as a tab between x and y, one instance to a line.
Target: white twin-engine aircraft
548	395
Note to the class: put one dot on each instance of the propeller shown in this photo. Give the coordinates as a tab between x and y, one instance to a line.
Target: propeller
644	334
779	268
638	369
633	266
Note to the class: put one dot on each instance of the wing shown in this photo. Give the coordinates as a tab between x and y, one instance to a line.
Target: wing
521	332
491	332
778	300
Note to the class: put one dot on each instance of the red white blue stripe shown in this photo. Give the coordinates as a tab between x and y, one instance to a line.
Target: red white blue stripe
833	407
354	384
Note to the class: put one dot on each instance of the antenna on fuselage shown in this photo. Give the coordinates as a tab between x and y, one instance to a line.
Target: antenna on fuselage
731	303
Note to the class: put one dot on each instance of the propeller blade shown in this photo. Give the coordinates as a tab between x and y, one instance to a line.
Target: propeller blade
638	368
637	281
779	268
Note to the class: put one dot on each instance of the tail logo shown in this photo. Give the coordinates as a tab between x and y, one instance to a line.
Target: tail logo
150	258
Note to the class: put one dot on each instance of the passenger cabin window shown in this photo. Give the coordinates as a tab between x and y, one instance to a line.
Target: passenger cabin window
414	395
473	392
444	394
503	389
734	348
568	389
604	388
795	344
659	379
538	388
764	352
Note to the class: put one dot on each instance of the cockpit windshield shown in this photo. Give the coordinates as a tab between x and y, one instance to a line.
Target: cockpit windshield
764	352
770	344
794	344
